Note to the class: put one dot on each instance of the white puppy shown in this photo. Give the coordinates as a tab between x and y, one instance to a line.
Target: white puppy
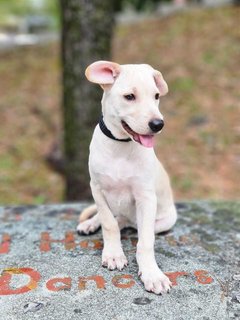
129	185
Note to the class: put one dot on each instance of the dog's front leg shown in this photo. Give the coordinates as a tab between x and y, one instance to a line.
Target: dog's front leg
153	278
112	256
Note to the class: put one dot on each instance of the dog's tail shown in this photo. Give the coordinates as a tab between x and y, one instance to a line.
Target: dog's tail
88	213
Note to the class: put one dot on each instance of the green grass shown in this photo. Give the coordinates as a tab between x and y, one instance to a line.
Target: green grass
198	53
184	84
22	8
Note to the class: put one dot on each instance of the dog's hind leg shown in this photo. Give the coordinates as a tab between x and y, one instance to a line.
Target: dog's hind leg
89	226
88	212
166	222
92	225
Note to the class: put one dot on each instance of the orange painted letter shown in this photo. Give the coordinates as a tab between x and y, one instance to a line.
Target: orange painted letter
203	277
6	277
65	284
5	244
46	241
174	275
99	280
116	281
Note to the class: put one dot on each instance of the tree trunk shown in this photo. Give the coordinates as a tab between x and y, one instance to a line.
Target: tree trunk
87	27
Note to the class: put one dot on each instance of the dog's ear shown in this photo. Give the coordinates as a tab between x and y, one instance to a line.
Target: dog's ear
160	82
102	72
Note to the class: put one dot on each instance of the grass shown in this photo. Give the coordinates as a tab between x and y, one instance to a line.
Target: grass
30	120
12	10
197	52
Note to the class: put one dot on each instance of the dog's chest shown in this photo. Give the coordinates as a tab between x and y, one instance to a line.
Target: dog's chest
114	174
119	167
116	179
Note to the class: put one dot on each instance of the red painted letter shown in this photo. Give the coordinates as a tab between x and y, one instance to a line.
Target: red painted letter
65	284
99	280
46	241
174	275
91	244
203	277
5	245
116	281
6	276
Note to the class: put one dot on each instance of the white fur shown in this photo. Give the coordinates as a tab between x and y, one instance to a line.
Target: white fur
129	184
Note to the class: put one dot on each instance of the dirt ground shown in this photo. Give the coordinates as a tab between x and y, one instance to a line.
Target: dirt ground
198	53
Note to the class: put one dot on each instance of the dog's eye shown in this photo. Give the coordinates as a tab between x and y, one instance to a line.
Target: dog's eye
130	97
157	96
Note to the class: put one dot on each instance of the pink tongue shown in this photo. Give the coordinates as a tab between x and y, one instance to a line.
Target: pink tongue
146	140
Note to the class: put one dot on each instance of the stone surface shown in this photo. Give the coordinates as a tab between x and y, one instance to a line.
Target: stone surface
50	272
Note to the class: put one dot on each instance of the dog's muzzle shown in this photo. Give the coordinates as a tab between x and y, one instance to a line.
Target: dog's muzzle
147	140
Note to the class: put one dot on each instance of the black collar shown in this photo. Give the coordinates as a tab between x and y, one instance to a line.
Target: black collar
108	133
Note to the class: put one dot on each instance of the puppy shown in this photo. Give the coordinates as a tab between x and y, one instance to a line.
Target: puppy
129	185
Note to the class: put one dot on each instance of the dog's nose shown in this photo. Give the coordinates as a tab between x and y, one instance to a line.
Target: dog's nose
156	125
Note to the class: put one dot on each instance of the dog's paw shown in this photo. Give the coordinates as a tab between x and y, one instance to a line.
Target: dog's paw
88	227
116	260
155	281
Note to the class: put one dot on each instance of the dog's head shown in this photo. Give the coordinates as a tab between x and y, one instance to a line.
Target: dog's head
131	99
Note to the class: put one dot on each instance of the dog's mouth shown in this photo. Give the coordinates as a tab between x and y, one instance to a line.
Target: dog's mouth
147	140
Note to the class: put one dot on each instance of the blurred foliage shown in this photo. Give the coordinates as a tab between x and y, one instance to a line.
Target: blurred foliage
199	58
22	8
138	5
51	8
14	7
30	121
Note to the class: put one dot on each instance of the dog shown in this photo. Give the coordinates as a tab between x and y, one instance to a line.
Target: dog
129	185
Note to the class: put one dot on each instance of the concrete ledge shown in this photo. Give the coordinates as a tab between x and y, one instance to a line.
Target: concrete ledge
49	272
